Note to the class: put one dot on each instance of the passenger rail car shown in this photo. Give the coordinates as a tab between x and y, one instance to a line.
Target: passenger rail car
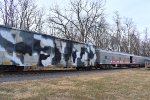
21	50
117	59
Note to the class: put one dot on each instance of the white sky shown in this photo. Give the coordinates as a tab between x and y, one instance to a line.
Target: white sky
138	10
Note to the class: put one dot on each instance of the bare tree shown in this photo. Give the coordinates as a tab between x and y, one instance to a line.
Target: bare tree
100	34
116	33
39	21
27	13
56	17
8	13
23	14
82	15
129	27
135	42
145	45
124	36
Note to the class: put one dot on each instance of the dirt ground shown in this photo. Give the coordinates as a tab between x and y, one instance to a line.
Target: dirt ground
132	84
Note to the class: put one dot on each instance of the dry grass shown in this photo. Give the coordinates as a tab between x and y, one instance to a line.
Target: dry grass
122	85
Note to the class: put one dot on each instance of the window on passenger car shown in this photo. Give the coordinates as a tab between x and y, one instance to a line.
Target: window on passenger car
105	57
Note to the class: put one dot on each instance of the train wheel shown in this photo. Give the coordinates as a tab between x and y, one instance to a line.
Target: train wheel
20	68
89	68
1	69
95	67
78	68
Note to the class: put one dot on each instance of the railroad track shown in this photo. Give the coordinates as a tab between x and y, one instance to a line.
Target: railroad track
35	72
44	74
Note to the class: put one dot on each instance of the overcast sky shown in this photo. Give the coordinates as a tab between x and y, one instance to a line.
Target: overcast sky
138	10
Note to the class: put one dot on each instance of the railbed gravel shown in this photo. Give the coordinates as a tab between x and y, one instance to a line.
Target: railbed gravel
22	76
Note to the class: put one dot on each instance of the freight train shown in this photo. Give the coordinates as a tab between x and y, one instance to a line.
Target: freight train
21	49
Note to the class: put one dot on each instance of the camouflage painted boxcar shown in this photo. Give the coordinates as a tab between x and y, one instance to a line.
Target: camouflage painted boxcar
20	49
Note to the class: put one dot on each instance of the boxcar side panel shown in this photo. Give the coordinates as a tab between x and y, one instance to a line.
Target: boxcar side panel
24	48
7	46
77	54
43	48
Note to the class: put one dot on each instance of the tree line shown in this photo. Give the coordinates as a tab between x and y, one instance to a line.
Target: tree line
83	20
